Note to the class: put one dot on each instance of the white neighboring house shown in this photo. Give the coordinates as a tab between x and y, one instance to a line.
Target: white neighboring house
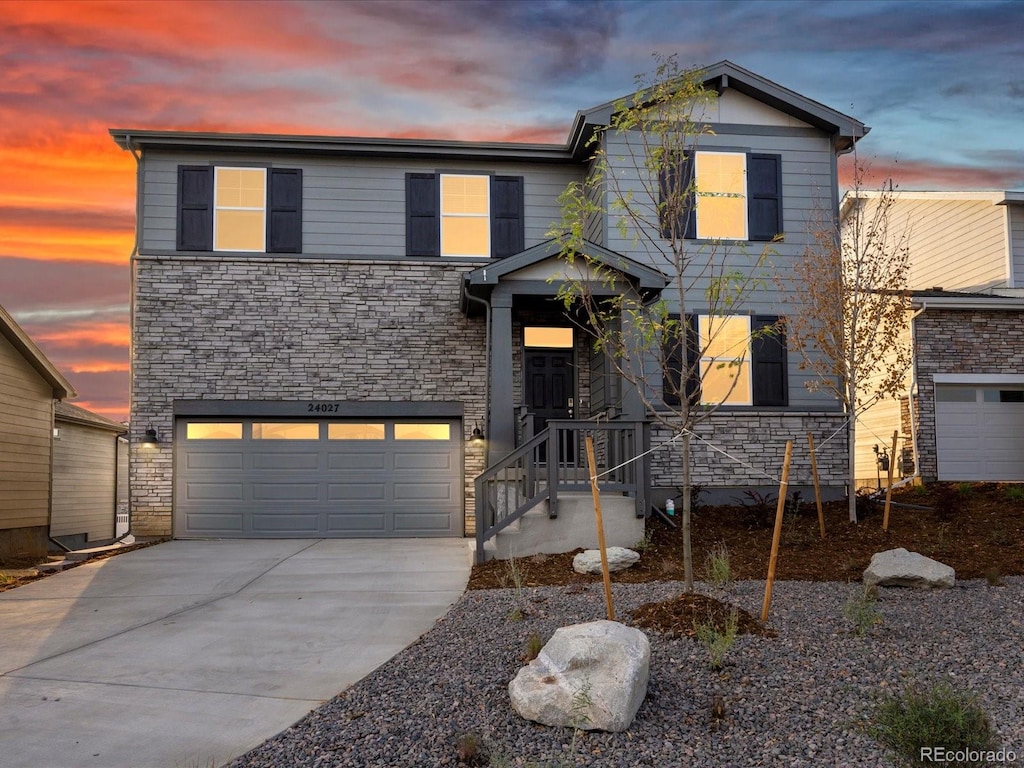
965	420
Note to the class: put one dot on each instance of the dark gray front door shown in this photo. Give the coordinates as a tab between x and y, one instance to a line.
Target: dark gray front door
267	478
549	381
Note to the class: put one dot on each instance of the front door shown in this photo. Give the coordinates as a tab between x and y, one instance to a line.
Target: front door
548	379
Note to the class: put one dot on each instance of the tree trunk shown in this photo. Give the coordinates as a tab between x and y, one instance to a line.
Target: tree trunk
687	501
852	481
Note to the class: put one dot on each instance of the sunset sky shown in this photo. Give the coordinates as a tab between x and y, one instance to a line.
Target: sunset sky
940	83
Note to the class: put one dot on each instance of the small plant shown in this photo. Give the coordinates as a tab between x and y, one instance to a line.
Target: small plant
581	703
717	568
867	504
861	610
949	501
993	577
646	542
1015	493
920	722
534	645
468	750
794	503
696	491
718	643
965	489
5	579
760	508
514	578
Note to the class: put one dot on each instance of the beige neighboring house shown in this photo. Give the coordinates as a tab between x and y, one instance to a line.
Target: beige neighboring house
29	385
962	411
86	452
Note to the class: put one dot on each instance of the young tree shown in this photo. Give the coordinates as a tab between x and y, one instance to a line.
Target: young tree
852	323
641	178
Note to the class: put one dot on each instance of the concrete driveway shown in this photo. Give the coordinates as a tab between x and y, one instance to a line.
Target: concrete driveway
190	653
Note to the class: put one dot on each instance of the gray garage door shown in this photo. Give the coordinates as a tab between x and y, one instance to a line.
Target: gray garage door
979	432
252	478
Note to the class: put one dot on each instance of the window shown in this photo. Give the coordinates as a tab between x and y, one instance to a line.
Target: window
725	360
214	431
732	360
295	430
737	196
350	431
423	432
227	208
463	215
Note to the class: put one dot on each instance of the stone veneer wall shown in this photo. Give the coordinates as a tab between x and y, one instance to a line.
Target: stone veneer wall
294	329
758	440
961	341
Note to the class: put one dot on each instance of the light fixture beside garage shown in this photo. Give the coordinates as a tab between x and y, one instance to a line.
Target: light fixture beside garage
150	438
477	435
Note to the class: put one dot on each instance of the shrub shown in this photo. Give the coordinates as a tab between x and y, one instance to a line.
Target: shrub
717	568
939	717
1015	493
861	610
719	643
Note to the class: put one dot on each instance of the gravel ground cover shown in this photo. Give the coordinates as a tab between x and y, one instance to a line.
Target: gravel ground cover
802	698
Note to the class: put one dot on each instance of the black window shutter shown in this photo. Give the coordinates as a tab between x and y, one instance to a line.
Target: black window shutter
764	196
675	368
195	207
673	178
507	227
768	361
284	217
422	214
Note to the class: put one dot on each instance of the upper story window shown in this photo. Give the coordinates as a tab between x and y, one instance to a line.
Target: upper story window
738	196
240	209
228	208
463	215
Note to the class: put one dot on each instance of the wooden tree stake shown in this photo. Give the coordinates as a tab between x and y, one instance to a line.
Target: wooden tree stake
817	487
777	534
592	464
888	490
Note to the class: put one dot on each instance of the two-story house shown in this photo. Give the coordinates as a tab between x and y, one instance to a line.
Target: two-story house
962	411
336	336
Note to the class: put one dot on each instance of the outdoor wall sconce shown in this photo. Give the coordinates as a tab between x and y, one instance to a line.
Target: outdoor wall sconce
150	438
477	436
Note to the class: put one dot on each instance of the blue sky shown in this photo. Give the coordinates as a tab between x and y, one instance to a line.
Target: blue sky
940	83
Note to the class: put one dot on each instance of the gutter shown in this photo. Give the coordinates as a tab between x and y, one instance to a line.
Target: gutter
131	325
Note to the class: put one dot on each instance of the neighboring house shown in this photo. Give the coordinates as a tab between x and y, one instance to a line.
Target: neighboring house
29	384
965	421
85	466
323	325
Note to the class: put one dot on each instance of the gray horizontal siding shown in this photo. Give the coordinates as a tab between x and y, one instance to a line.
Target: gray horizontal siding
351	207
1016	214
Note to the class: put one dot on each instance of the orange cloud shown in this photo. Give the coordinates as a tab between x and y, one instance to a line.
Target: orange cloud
918	175
114	334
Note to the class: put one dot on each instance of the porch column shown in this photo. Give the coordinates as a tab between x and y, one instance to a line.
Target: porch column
632	403
501	440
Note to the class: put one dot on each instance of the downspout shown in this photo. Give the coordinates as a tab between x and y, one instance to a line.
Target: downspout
487	355
131	320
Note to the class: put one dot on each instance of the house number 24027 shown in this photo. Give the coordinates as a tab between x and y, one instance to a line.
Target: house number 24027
323	407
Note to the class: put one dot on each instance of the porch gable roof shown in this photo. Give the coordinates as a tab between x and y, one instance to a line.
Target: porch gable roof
481	281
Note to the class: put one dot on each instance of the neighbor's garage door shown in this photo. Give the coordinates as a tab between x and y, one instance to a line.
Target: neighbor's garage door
979	432
253	478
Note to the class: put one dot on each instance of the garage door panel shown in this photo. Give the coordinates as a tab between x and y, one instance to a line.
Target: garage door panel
286	491
222	522
423	492
214	491
285	461
407	460
341	492
335	486
368	460
219	460
292	522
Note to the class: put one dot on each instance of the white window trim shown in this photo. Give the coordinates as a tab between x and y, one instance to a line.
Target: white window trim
746	195
980	379
747	361
486	215
263	208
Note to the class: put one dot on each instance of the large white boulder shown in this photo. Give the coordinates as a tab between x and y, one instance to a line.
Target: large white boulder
900	568
619	559
590	676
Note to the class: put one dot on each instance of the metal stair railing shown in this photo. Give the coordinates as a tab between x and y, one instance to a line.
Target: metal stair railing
553	461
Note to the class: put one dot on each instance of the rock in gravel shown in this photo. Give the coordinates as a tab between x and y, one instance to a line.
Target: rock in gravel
900	568
590	676
619	559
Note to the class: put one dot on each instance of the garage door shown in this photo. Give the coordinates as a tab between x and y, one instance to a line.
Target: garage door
251	478
979	432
